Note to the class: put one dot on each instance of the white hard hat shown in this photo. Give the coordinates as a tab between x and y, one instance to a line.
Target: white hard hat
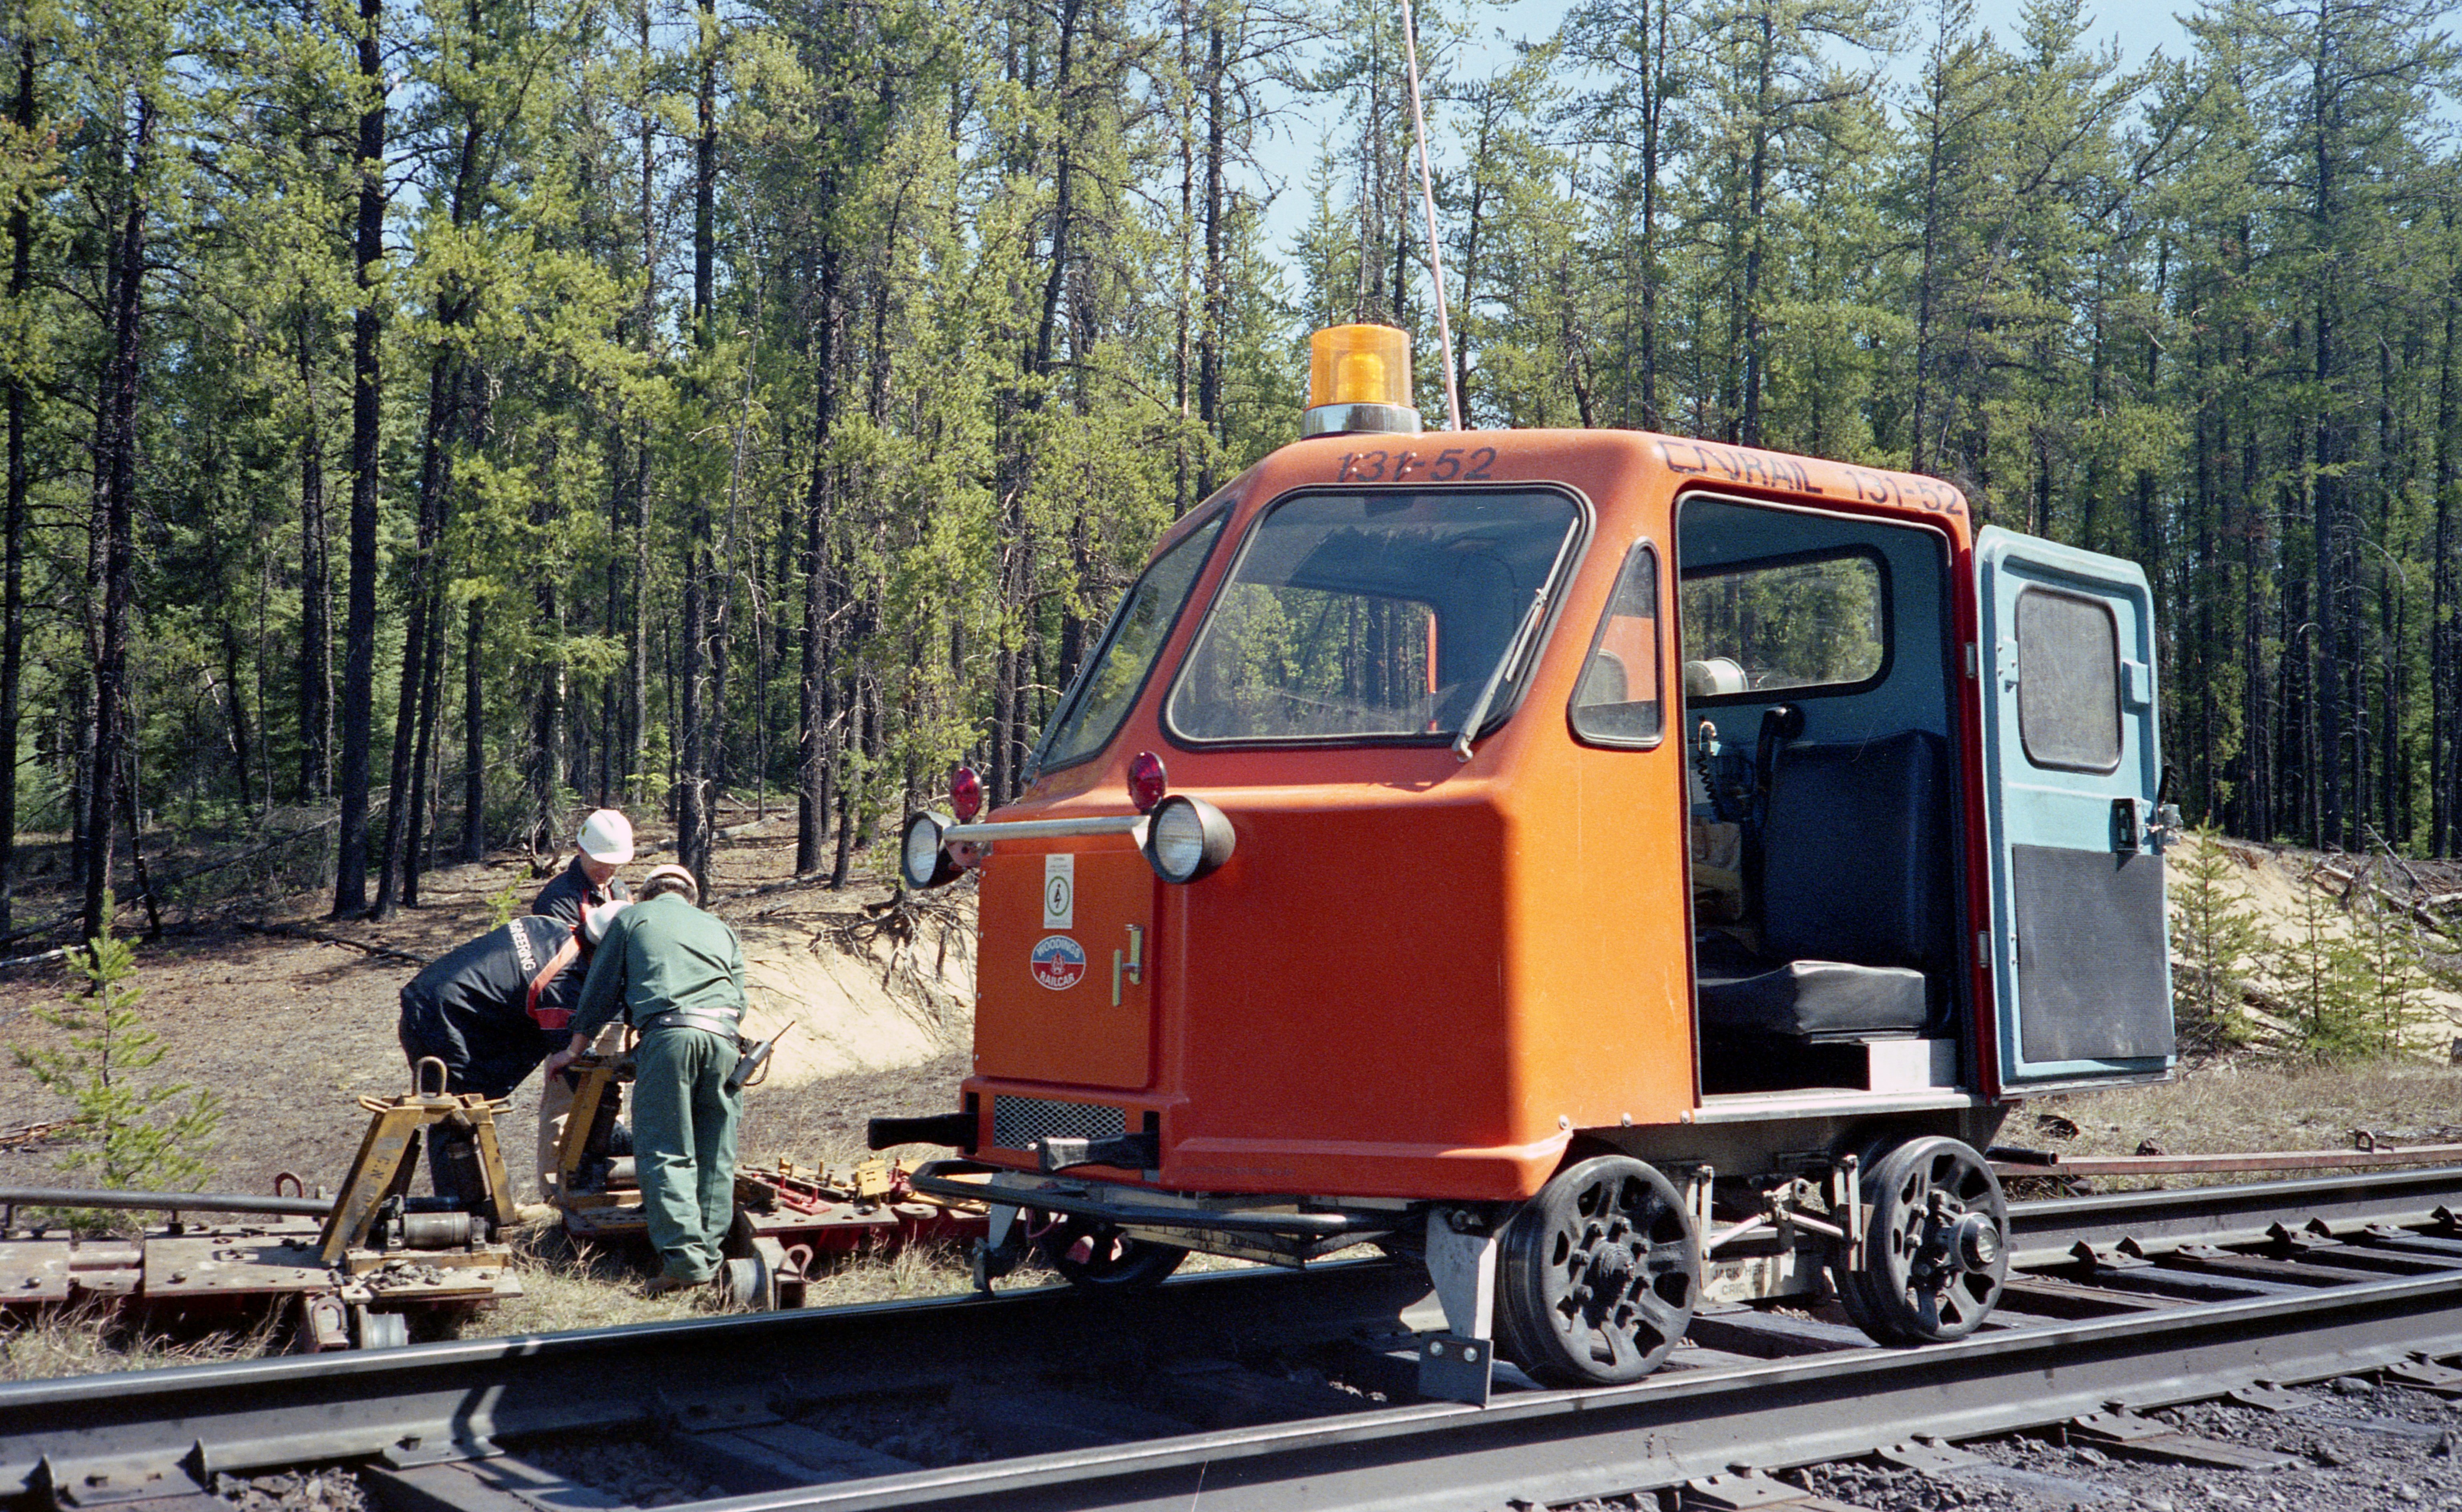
607	836
594	921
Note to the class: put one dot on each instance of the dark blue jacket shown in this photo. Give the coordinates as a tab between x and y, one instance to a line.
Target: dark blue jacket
568	895
494	1008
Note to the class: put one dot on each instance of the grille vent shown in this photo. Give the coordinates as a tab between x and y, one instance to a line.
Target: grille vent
1018	1122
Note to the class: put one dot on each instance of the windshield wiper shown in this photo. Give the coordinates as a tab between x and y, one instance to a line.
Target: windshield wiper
1496	679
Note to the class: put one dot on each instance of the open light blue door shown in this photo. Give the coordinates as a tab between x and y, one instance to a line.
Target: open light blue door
2081	964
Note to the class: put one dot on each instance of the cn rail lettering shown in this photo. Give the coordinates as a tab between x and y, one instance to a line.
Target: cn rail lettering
1698	459
1452	464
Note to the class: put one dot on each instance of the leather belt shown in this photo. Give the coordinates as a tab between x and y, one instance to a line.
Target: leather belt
723	1024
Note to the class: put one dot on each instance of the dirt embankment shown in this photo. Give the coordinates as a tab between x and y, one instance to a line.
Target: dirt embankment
2276	886
289	1018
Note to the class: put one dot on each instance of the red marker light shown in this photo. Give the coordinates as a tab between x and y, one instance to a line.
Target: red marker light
966	794
1148	782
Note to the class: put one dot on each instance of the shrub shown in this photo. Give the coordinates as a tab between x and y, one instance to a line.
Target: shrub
132	1134
2214	942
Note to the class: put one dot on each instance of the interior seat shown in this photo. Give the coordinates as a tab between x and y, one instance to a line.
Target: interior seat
1857	922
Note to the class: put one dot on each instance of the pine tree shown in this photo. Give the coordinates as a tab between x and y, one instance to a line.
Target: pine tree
135	1133
2215	942
2324	980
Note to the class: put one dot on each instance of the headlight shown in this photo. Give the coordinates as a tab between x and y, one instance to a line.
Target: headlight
921	858
1187	837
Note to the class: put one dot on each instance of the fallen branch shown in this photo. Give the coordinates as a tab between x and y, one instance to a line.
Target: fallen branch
325	937
31	1134
2417	909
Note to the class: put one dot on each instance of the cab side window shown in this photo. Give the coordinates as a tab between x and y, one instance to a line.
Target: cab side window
2068	682
1618	701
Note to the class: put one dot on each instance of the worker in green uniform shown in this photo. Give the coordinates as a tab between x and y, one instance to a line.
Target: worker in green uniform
677	974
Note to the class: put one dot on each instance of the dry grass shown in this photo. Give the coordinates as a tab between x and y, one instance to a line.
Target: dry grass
569	1284
2232	1106
581	1286
91	1340
921	1270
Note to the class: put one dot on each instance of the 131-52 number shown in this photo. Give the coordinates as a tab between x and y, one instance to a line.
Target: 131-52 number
1452	464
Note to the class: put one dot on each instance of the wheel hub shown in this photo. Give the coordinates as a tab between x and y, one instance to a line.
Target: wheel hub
1977	1244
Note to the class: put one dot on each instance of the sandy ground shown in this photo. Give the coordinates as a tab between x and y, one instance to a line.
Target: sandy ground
2269	881
290	1021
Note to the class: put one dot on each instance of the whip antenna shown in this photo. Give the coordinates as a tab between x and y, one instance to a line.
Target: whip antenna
1428	198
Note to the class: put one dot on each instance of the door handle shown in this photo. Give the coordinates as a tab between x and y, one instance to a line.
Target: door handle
2127	826
1131	962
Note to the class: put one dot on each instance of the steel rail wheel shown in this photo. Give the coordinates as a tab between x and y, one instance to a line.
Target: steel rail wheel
1095	1256
1598	1275
1935	1251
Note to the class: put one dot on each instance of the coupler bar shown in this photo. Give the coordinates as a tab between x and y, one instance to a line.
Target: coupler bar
956	1130
937	1180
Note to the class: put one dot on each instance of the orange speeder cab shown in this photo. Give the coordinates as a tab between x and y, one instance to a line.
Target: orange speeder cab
1622	871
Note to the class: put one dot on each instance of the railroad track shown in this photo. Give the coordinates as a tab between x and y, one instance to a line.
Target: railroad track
1248	1389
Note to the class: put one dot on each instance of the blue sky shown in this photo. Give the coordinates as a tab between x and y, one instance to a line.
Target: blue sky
2139	29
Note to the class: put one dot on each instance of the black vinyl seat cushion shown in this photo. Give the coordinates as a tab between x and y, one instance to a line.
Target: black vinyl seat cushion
1855	898
1817	1002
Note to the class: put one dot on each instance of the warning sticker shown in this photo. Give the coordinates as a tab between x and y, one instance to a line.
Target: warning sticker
1059	891
1058	962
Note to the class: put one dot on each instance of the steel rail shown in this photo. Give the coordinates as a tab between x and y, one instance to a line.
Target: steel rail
14	1197
1561	1446
2043	1233
451	1401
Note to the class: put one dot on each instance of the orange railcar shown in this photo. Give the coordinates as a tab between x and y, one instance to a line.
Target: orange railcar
1625	870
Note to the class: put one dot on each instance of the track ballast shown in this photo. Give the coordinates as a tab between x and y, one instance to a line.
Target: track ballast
2142	1300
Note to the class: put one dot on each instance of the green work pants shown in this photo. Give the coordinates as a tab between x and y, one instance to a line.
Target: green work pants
683	1146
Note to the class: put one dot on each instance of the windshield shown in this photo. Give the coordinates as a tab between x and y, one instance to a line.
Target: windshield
1110	684
1370	615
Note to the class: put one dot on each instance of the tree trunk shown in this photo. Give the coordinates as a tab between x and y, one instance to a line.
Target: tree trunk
812	777
115	508
692	789
13	574
435	478
474	725
315	585
360	635
2444	738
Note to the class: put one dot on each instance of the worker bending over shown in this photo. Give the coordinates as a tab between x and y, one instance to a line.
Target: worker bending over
491	1010
677	974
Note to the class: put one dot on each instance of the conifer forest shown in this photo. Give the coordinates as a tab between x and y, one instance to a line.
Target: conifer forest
427	417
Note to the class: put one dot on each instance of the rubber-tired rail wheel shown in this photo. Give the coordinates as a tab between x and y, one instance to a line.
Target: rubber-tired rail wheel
1095	1256
1598	1275
1935	1250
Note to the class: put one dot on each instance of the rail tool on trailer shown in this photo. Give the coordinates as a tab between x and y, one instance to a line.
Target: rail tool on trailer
1630	871
787	1215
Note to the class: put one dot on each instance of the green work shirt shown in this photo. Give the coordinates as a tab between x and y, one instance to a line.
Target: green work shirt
659	956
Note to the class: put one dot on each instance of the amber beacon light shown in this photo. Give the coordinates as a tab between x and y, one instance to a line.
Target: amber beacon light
1359	380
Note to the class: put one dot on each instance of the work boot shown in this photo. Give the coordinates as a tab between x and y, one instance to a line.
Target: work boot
664	1285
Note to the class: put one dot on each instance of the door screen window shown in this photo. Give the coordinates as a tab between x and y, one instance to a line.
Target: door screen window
1817	623
2068	682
